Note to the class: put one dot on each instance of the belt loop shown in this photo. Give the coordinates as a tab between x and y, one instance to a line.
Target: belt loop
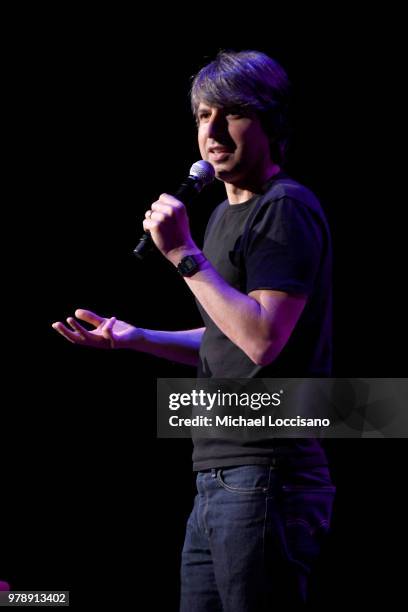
213	472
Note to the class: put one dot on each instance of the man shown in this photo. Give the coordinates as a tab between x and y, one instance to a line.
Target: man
263	286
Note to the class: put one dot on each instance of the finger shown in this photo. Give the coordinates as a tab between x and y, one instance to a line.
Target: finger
67	333
165	198
78	328
162	208
148	214
89	317
107	326
110	323
107	331
148	225
159	216
169	205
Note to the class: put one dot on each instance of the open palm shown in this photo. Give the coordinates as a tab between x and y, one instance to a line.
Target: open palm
108	332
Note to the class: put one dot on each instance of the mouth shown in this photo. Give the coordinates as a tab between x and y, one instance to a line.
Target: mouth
218	153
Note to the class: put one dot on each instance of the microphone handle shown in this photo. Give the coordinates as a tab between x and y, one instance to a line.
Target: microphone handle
185	194
144	246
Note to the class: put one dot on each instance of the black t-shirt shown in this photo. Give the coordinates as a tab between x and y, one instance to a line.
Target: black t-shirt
276	240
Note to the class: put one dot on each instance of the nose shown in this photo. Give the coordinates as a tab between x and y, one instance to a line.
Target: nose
217	126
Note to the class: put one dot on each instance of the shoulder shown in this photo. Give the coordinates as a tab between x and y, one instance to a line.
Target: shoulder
288	212
287	189
286	202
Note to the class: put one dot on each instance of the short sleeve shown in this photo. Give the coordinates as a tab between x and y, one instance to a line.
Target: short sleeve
284	248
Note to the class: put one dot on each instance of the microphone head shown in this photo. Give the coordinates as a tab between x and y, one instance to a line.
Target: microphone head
203	172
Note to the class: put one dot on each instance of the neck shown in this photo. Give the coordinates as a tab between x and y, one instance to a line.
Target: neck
242	190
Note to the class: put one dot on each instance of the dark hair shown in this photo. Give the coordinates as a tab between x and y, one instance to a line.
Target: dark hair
249	80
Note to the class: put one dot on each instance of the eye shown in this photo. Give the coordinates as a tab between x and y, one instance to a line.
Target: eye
237	113
203	115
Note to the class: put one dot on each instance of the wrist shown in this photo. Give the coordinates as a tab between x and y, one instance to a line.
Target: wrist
136	341
176	255
191	264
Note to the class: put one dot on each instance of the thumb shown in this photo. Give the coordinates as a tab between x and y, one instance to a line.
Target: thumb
107	331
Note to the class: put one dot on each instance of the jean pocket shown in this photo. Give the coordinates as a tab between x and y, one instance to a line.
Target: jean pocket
306	515
244	479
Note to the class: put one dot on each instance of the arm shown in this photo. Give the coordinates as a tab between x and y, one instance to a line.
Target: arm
260	323
180	346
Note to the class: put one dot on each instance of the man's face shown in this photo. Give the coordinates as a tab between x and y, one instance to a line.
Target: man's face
233	141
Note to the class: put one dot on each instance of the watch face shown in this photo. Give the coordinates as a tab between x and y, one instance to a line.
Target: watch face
188	265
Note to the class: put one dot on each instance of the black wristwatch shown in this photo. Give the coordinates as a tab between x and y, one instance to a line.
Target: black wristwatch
191	264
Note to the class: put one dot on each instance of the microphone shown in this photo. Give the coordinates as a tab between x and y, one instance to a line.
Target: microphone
201	174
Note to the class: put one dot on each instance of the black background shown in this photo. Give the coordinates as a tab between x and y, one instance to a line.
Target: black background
100	126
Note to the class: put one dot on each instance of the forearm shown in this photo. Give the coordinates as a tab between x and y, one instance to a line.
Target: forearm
240	317
180	346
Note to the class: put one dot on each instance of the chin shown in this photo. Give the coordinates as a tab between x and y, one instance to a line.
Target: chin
226	174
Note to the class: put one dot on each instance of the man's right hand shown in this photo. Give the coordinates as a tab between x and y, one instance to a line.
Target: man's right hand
108	333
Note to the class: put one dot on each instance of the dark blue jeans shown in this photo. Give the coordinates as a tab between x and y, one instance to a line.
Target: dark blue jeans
252	538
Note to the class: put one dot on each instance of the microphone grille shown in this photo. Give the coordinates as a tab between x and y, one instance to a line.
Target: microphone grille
203	171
